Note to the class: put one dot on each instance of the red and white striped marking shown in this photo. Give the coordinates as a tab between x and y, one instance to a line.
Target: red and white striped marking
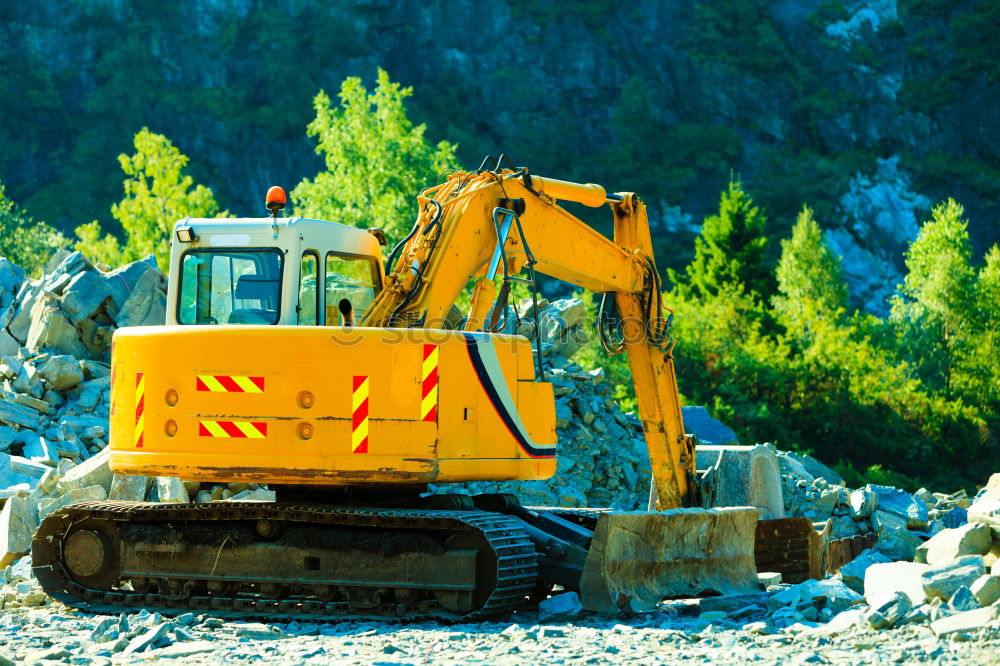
359	414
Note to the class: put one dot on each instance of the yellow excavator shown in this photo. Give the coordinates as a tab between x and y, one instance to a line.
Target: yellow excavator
295	355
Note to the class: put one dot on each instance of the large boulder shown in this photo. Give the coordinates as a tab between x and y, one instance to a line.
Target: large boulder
943	580
884	579
17	526
901	503
855	572
950	544
61	372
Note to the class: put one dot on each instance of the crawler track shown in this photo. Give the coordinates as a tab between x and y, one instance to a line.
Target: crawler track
284	560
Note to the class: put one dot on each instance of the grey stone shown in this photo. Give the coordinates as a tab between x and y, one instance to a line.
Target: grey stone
564	607
85	295
171	490
949	544
888	614
122	281
146	306
89	494
963	600
8	343
28	381
38	449
129	488
51	329
854	572
7	437
709	430
895	501
832	592
21	323
955	517
899	544
21	415
884	580
986	589
147	640
11	276
731	603
943	580
61	372
17	526
967	621
91	472
986	511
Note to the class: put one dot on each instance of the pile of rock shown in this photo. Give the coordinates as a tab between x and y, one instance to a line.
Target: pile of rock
55	337
602	454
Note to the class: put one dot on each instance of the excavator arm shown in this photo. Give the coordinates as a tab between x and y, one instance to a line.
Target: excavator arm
486	224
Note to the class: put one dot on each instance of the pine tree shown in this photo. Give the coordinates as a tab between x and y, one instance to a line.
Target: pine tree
810	282
377	161
935	311
730	253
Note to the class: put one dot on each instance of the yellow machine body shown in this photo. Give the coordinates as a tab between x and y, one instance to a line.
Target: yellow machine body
328	405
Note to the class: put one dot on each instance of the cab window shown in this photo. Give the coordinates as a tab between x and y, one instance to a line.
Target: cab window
353	278
308	292
230	287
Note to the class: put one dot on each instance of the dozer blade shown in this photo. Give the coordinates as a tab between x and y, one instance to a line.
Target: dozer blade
637	559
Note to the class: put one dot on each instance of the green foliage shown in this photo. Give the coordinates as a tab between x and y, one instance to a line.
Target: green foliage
376	159
731	252
738	33
810	282
853	389
27	243
158	193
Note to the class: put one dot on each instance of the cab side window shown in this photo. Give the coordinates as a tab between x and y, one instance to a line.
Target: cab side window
353	278
308	290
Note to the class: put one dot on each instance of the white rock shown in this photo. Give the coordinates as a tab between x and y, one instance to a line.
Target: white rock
986	589
944	579
883	580
561	608
17	526
91	472
129	488
171	490
967	621
949	544
74	496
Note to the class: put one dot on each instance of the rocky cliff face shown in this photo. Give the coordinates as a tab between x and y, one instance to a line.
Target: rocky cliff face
867	110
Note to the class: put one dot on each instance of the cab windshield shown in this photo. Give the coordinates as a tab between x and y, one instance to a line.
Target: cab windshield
230	287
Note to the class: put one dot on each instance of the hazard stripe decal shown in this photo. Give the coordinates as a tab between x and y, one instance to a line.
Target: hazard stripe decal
487	366
140	407
429	384
233	429
229	384
359	414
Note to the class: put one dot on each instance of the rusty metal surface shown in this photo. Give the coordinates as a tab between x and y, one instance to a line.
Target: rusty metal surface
799	549
178	558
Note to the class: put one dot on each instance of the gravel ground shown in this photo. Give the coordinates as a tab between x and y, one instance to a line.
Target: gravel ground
673	635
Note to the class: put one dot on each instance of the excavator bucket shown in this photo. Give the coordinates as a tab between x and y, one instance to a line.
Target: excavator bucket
637	559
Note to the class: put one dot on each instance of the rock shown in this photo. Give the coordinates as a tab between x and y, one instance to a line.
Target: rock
129	488
888	614
743	476
854	572
122	281
61	372
147	304
986	589
986	511
884	580
171	490
944	579
89	494
895	501
949	544
51	329
564	607
17	526
967	621
769	578
897	544
91	472
149	639
84	296
832	593
256	495
963	600
15	414
709	430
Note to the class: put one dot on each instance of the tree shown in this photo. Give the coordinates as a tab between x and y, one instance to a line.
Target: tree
810	282
24	241
730	251
935	310
157	193
377	161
